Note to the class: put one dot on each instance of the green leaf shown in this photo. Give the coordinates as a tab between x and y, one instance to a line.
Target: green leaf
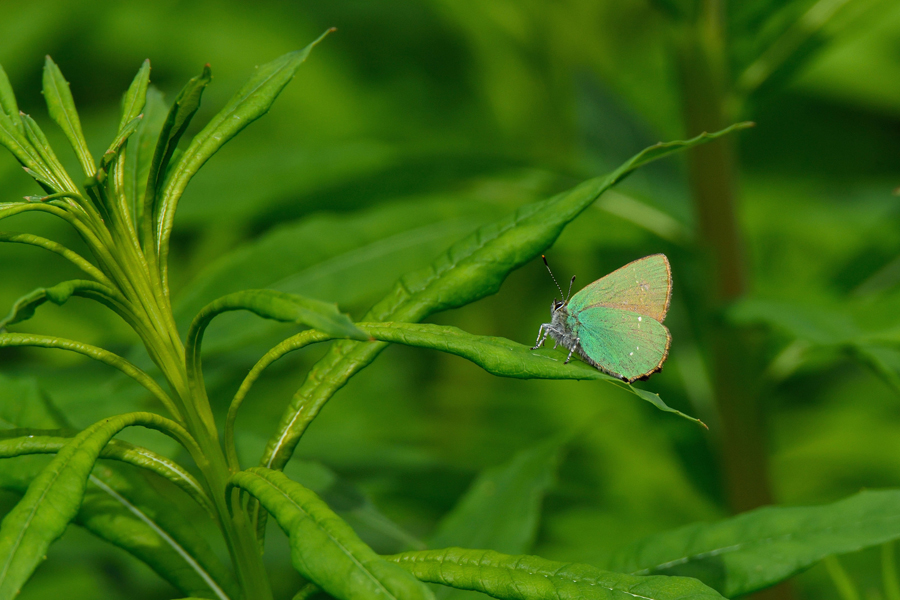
56	248
371	248
140	150
8	103
269	304
60	178
534	578
25	306
501	509
15	141
116	146
123	509
61	107
471	269
354	505
186	105
120	505
251	102
21	442
762	547
324	549
53	498
136	96
502	357
8	340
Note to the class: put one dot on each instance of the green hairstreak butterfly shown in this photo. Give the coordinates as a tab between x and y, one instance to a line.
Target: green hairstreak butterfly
615	323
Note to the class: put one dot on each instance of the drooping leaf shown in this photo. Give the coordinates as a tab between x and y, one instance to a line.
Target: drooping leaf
25	306
9	340
762	547
502	357
251	102
533	578
371	248
469	270
324	549
120	505
269	304
53	498
22	442
61	107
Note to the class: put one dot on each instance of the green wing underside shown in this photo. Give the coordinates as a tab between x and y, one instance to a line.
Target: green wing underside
642	286
623	343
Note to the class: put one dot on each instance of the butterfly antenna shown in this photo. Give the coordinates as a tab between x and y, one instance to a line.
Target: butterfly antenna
551	275
572	282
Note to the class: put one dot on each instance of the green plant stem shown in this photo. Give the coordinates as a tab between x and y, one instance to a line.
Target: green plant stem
712	169
712	173
841	580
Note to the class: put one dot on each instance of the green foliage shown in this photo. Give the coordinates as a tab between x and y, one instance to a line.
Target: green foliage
324	548
526	577
762	547
441	130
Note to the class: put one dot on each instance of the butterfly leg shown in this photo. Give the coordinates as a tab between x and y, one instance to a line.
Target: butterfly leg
540	340
572	350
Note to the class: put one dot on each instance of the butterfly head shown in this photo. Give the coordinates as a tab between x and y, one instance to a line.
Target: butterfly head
557	304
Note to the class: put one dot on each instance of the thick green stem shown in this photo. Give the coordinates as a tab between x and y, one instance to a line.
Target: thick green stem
713	174
702	65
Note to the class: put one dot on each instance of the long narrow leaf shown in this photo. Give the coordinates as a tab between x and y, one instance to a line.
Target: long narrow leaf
324	549
25	306
57	248
502	357
140	150
15	141
53	498
469	270
21	442
136	96
251	102
533	578
8	340
38	140
186	105
8	103
762	547
61	107
269	304
121	505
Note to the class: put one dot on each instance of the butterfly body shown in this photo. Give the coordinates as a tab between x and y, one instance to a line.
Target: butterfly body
615	323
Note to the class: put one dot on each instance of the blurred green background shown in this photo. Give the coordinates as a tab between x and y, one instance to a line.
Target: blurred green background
419	121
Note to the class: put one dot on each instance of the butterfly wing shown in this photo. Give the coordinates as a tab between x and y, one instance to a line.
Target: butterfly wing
624	343
643	286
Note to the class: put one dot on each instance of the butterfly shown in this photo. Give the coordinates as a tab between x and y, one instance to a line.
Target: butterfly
615	323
